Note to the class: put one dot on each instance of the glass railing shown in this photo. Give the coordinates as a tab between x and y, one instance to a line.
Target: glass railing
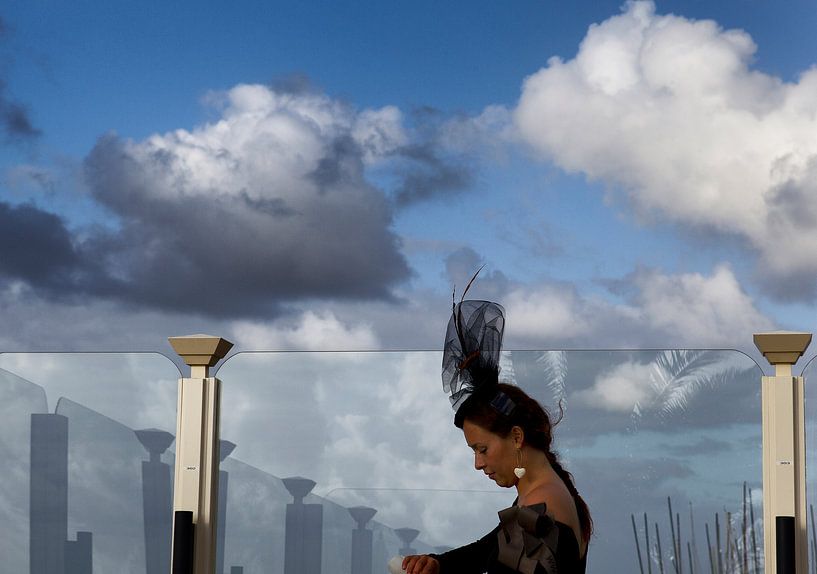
87	472
665	446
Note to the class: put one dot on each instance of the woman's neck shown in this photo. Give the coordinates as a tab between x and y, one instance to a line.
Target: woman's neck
538	472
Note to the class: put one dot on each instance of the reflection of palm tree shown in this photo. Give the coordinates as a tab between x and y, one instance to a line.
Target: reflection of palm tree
554	370
677	375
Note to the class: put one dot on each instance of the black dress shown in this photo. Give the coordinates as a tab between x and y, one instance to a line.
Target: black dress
526	541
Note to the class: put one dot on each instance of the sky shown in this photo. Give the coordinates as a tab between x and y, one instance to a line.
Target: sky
305	176
302	176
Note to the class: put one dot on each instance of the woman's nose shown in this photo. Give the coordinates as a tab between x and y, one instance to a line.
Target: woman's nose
478	462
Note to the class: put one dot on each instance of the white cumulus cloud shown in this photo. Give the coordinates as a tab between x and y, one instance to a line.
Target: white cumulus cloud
670	111
620	388
661	310
313	331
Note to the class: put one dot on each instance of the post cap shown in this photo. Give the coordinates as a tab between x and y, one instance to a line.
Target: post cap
782	347
200	350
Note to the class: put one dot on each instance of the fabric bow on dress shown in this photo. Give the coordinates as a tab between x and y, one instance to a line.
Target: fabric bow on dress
527	537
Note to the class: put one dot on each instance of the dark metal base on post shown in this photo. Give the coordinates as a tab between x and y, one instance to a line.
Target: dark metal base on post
785	544
184	536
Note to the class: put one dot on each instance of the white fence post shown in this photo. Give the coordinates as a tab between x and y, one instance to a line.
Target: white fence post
196	479
784	455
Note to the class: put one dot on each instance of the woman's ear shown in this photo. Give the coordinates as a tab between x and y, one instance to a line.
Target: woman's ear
518	436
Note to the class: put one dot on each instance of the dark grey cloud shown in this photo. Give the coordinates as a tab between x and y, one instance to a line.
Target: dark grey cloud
706	445
221	254
235	222
294	83
792	220
461	264
36	247
15	120
428	168
426	173
460	267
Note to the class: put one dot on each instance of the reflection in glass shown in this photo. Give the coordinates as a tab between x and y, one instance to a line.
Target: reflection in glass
665	446
78	494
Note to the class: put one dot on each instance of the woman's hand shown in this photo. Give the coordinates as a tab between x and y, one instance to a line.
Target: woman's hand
421	564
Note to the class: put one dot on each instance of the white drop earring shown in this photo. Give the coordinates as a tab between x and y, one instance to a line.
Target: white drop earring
519	471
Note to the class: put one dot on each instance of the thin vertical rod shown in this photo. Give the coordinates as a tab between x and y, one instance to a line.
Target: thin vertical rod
709	549
672	532
637	546
660	555
755	557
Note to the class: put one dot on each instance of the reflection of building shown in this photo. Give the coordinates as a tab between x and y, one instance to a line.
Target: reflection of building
50	551
157	500
48	501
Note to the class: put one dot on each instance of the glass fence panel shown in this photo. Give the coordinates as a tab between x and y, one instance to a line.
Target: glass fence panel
809	373
665	446
87	473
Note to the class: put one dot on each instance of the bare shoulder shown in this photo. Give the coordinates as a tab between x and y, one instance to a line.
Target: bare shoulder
561	506
559	502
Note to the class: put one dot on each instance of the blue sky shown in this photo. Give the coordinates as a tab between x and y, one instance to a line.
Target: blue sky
350	163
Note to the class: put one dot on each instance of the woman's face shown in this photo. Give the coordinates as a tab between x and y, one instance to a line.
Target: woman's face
493	455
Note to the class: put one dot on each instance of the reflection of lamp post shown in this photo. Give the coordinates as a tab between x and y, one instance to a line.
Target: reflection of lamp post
361	540
407	536
157	501
304	529
225	449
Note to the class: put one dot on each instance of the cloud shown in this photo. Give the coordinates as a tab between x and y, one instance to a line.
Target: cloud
36	247
705	446
619	388
488	133
426	173
669	111
14	118
698	307
660	310
15	122
313	331
267	204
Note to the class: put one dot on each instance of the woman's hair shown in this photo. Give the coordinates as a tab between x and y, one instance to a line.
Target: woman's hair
533	419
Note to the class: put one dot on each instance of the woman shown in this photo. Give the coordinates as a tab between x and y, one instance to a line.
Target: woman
549	526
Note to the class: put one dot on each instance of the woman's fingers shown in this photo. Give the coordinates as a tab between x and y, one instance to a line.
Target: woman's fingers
421	564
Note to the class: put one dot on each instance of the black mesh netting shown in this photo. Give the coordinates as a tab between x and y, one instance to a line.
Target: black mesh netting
473	342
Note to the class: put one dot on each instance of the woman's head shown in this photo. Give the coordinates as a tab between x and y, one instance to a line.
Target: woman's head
525	413
527	424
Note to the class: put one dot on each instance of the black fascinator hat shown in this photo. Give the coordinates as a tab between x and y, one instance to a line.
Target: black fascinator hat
473	342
